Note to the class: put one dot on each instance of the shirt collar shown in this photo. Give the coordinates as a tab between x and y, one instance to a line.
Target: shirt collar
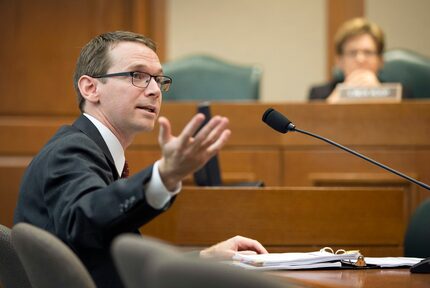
113	144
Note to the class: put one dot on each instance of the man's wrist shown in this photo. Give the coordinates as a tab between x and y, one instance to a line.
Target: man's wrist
168	179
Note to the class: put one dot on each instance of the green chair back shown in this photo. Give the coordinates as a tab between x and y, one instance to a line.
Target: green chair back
417	238
205	78
409	68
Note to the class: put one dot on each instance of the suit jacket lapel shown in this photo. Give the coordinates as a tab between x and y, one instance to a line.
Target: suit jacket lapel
88	128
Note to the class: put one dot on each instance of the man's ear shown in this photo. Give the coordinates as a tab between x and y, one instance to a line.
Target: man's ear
88	88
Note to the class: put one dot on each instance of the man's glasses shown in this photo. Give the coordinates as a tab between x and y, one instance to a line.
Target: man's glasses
142	79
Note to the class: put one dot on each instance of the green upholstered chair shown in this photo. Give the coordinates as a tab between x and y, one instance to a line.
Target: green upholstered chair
205	78
409	68
417	238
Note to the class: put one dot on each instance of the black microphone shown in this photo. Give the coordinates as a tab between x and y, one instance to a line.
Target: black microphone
281	124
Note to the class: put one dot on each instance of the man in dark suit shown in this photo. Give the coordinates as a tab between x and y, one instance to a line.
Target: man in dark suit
73	188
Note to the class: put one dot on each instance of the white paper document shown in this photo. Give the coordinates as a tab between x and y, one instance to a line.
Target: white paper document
289	267
309	260
386	262
317	260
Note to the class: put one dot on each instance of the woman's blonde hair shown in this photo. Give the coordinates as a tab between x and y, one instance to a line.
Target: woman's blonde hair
359	26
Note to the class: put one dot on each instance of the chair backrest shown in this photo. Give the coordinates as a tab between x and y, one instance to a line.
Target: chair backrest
12	273
194	273
417	238
146	262
409	68
49	263
135	258
205	78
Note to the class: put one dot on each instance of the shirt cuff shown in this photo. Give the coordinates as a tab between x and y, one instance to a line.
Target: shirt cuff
156	193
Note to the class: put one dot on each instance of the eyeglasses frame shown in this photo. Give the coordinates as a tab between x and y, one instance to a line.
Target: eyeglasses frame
131	74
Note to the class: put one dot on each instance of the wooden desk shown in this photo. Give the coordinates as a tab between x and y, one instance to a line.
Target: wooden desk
284	219
381	278
394	134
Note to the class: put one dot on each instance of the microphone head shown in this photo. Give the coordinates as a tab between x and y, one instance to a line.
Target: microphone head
277	121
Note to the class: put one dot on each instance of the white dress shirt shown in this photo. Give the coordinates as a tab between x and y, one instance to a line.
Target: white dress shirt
156	193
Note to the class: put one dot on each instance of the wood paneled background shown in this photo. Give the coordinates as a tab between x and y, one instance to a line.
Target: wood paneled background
289	219
41	41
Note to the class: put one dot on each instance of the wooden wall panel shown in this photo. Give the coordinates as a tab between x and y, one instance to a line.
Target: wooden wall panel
27	135
299	164
394	134
328	167
250	166
11	171
288	218
236	166
339	11
41	41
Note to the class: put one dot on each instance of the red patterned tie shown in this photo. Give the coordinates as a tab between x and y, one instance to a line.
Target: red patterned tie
125	171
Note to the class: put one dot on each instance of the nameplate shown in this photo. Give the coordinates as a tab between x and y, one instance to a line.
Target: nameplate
387	92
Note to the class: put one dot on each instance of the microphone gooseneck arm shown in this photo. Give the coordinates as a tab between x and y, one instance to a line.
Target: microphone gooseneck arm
280	123
363	157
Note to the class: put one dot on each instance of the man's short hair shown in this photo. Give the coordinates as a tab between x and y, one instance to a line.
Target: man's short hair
359	26
94	58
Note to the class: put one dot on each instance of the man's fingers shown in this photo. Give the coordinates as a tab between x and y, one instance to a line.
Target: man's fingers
250	244
247	252
191	128
208	128
219	143
210	138
213	133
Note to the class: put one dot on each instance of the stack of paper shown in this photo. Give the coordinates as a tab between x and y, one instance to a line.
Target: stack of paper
278	261
389	262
